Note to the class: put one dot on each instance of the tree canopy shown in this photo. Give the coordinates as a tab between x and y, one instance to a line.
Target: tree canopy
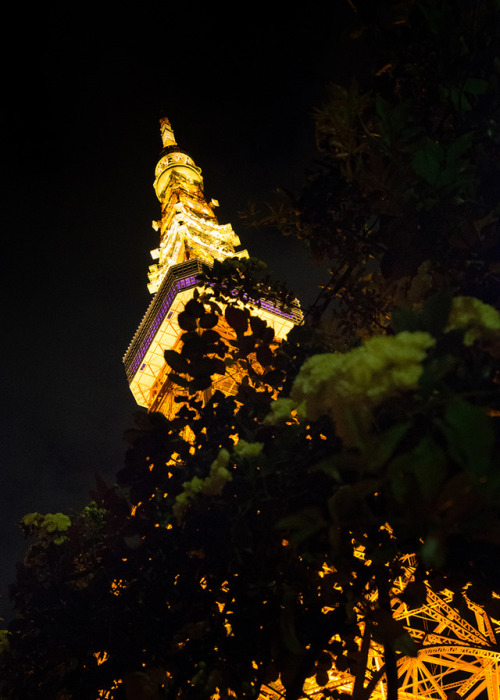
271	541
405	198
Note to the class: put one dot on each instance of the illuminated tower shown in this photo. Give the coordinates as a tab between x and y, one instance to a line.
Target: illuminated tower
190	235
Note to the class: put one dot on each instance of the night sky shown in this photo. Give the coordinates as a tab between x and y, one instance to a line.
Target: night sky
82	140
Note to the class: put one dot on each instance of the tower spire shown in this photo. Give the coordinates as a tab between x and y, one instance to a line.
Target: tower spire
167	133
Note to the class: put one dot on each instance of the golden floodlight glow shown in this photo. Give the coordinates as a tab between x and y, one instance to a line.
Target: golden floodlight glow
190	236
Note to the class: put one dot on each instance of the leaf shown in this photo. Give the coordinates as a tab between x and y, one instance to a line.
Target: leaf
258	326
427	462
206	366
322	678
406	645
210	336
405	320
180	381
428	161
392	632
470	436
382	449
194	308
458	147
215	308
274	378
237	318
268	335
303	524
475	86
432	552
178	363
287	626
245	344
186	321
200	383
264	355
209	320
193	345
436	311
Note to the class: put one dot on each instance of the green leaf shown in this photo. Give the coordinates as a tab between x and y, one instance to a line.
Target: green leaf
436	311
381	449
458	147
429	466
302	525
433	552
470	436
405	320
288	633
428	161
475	86
406	645
426	463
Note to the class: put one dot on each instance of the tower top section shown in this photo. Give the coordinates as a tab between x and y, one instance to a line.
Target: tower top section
173	160
188	226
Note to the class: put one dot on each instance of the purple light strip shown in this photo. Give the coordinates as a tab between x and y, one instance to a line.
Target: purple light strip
162	312
153	320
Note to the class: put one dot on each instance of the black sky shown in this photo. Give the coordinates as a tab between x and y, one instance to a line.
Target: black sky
81	142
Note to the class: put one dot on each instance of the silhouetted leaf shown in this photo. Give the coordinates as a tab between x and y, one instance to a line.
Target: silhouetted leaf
209	320
210	336
237	318
257	325
176	361
180	381
194	308
264	355
186	321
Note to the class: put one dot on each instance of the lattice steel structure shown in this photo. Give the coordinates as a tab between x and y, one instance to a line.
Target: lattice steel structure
458	656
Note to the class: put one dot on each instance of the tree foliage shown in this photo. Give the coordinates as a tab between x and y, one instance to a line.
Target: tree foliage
405	198
268	542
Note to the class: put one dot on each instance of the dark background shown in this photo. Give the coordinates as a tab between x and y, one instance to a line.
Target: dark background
84	96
